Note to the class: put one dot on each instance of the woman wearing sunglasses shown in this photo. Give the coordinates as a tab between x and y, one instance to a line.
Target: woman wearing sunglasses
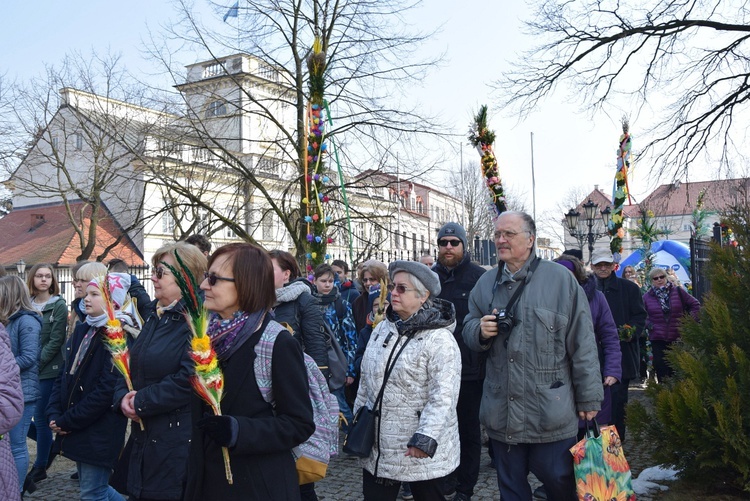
666	304
160	367
239	291
416	440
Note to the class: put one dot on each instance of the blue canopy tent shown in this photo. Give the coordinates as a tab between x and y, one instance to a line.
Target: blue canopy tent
668	254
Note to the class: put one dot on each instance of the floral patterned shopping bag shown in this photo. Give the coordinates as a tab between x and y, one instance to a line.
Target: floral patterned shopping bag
601	470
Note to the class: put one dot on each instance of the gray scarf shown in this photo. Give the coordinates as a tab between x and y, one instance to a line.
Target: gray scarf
290	292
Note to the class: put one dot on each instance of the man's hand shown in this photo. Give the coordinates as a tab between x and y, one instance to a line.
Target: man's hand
587	415
488	326
609	381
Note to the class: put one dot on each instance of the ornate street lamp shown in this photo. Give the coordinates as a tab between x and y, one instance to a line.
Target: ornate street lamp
589	212
21	268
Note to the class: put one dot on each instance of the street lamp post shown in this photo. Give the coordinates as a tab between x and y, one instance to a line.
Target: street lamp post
21	268
589	209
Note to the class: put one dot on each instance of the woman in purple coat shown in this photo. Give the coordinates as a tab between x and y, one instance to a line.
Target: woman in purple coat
11	410
666	304
605	330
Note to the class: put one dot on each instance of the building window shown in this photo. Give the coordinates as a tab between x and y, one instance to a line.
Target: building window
404	240
216	109
268	165
167	223
420	205
54	142
267	227
79	142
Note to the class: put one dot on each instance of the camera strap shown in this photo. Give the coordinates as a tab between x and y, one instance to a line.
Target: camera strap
532	267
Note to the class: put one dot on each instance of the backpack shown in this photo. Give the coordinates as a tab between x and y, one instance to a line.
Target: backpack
337	364
312	457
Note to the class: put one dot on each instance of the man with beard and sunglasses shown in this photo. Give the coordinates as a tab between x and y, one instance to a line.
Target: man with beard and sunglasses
457	277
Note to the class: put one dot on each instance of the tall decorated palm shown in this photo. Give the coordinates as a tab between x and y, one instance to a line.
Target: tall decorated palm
620	191
316	177
482	138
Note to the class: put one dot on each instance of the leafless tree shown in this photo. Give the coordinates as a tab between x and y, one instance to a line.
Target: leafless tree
369	53
691	56
68	145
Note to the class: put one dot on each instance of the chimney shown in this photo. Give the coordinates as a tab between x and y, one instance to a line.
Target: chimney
596	187
36	221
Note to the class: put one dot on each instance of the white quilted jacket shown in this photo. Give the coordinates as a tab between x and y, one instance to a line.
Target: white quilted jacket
420	397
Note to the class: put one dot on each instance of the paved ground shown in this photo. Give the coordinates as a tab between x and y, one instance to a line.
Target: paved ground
343	483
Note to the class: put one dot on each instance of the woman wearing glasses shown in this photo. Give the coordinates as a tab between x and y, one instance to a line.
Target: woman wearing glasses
46	299
160	367
413	359
240	294
666	304
370	273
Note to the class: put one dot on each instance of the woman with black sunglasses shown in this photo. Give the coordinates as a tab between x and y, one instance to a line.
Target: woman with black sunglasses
160	368
239	291
666	304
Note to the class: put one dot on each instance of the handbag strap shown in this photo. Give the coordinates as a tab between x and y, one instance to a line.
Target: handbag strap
389	365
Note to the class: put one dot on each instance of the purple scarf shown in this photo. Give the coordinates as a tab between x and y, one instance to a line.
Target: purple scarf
225	334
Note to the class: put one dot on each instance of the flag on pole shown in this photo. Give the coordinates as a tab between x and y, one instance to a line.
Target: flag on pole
233	11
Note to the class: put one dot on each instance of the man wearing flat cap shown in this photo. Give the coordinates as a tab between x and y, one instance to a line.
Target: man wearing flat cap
626	302
533	320
458	275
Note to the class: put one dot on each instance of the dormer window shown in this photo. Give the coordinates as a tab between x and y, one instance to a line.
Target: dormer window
216	109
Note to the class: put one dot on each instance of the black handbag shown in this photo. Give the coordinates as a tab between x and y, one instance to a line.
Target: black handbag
361	436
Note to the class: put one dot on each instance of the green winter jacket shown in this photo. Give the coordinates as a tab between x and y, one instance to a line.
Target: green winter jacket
52	338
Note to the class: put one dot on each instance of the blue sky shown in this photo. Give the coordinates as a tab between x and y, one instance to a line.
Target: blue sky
479	38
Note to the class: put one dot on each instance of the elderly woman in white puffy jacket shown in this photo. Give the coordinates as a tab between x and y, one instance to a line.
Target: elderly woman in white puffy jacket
416	440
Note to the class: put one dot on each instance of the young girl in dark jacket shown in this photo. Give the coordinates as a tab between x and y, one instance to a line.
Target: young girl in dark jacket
80	410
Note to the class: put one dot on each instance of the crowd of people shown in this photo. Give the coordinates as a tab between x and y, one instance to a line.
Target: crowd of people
435	349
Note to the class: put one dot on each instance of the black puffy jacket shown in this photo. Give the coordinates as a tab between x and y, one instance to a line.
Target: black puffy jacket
456	285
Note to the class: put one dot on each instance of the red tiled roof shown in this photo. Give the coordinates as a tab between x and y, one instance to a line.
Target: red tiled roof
44	234
681	198
598	197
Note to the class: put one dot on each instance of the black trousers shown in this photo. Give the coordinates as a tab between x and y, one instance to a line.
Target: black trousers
661	367
619	402
425	490
464	479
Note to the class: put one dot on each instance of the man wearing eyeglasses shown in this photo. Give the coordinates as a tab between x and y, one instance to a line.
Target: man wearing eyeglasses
458	275
542	371
626	302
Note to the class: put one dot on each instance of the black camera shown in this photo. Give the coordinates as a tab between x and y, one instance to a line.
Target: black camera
504	321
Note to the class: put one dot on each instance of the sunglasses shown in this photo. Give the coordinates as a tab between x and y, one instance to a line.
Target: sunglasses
159	272
660	277
213	277
445	243
401	288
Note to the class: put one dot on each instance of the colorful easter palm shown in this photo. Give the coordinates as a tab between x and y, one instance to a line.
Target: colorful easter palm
208	380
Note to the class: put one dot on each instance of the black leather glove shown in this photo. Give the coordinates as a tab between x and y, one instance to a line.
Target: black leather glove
222	429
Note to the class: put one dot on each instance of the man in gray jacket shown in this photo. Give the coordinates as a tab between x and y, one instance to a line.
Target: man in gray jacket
543	367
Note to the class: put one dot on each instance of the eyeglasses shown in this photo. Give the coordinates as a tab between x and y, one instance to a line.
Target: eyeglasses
507	235
660	277
213	277
401	288
370	280
159	272
445	243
